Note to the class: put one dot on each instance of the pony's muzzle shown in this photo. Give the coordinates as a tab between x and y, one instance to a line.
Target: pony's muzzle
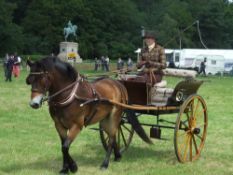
36	102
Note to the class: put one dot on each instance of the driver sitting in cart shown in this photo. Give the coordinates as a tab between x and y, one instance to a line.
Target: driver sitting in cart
152	60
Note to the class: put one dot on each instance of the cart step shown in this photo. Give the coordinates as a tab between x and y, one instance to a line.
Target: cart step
155	132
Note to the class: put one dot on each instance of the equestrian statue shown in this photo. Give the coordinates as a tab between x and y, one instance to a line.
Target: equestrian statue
71	29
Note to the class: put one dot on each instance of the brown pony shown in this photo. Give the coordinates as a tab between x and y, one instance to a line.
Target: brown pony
74	103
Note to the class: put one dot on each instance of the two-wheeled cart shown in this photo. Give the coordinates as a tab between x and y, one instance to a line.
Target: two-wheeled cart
191	123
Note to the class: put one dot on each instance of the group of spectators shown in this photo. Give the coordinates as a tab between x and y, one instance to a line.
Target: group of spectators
103	62
129	64
11	66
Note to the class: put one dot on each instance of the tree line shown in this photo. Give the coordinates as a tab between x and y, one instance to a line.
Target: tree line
113	27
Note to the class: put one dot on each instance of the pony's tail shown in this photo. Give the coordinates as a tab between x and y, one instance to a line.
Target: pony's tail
133	120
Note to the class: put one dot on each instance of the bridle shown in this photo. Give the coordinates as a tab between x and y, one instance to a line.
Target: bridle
70	97
46	86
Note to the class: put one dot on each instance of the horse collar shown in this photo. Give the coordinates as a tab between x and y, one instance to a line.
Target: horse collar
75	84
72	96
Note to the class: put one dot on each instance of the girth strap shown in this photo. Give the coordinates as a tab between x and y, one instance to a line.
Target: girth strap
88	119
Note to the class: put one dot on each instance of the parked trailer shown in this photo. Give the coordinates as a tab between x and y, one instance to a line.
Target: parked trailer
218	60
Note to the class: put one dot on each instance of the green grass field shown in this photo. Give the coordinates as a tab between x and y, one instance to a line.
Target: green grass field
29	144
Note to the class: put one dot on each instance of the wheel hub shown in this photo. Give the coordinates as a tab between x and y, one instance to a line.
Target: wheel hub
196	131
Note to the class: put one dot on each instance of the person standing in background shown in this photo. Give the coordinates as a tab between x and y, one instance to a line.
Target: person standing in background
202	67
129	65
102	59
16	67
107	60
9	67
120	64
97	64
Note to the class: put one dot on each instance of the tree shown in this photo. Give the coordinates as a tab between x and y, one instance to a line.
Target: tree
228	16
213	25
112	27
42	27
11	36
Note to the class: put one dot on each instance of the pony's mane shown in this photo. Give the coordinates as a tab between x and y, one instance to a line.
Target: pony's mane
64	68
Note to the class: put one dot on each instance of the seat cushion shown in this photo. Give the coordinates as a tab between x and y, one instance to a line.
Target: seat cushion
160	95
161	84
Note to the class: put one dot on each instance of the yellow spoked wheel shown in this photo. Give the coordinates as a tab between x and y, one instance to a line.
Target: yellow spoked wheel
123	137
190	129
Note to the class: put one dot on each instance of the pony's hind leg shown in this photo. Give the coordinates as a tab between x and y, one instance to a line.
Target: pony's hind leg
116	150
115	146
105	163
110	126
111	145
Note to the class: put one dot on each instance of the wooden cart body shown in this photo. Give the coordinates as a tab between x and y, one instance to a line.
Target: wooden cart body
138	91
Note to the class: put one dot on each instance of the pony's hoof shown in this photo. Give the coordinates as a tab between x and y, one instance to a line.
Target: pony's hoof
104	167
64	171
117	158
73	167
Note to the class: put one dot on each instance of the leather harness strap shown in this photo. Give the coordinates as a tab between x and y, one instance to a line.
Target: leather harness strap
94	99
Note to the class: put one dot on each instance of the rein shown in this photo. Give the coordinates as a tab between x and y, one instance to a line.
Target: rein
71	96
60	91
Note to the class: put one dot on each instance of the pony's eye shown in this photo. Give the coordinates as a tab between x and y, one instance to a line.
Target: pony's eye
43	80
30	79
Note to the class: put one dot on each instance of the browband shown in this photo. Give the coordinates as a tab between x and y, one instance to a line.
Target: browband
38	73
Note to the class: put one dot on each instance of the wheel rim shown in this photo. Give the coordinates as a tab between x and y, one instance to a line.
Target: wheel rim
123	137
191	128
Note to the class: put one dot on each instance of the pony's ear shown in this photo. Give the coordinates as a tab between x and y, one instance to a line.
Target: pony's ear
40	66
29	63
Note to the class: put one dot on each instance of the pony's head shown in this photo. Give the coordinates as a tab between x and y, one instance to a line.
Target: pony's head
42	75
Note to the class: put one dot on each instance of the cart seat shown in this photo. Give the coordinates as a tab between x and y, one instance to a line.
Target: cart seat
159	94
161	84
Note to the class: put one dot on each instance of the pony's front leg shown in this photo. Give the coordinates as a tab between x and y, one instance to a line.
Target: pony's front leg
66	140
63	135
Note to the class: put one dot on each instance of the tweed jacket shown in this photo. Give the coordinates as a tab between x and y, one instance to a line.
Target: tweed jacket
153	59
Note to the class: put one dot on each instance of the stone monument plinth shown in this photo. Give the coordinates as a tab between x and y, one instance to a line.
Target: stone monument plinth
69	52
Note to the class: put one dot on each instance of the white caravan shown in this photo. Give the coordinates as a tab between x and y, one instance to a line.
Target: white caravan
218	60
